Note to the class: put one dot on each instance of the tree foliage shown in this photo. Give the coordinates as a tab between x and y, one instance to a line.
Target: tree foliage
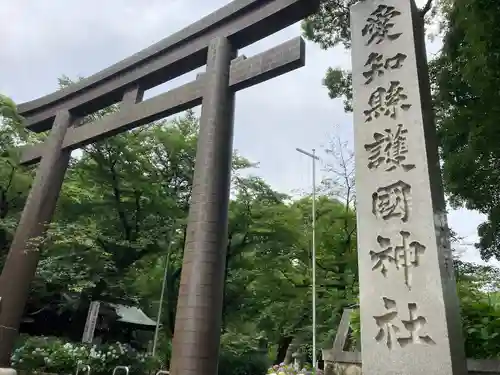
330	26
466	78
479	296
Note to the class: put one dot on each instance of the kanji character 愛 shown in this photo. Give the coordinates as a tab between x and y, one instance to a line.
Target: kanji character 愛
378	25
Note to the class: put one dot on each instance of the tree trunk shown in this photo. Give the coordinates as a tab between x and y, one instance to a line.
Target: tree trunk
292	348
283	344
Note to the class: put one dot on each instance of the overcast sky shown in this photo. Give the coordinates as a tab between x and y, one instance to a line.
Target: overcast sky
42	40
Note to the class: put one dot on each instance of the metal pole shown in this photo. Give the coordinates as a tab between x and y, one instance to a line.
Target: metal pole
163	286
158	315
314	257
313	245
126	368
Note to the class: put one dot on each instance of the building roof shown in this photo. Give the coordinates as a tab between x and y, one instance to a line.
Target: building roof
132	315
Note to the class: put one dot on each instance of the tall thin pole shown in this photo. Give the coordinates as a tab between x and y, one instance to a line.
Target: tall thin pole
313	245
163	287
158	316
314	258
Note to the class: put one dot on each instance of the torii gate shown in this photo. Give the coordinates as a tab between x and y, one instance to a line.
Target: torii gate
214	41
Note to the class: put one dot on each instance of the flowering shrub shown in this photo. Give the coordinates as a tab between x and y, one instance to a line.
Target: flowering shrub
53	355
283	369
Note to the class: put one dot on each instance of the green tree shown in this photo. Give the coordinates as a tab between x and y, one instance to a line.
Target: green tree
274	275
465	80
121	201
282	259
478	291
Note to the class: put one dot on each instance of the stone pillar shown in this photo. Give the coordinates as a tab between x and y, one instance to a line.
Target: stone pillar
409	307
199	309
22	260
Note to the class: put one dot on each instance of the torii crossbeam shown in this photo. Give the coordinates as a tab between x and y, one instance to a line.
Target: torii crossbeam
244	73
214	41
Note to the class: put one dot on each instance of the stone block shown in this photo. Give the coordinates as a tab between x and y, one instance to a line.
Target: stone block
409	306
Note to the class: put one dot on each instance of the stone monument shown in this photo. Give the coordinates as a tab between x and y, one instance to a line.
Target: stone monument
410	320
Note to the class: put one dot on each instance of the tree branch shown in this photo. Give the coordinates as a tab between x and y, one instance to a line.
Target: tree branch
138	195
323	267
11	178
118	200
184	235
422	12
